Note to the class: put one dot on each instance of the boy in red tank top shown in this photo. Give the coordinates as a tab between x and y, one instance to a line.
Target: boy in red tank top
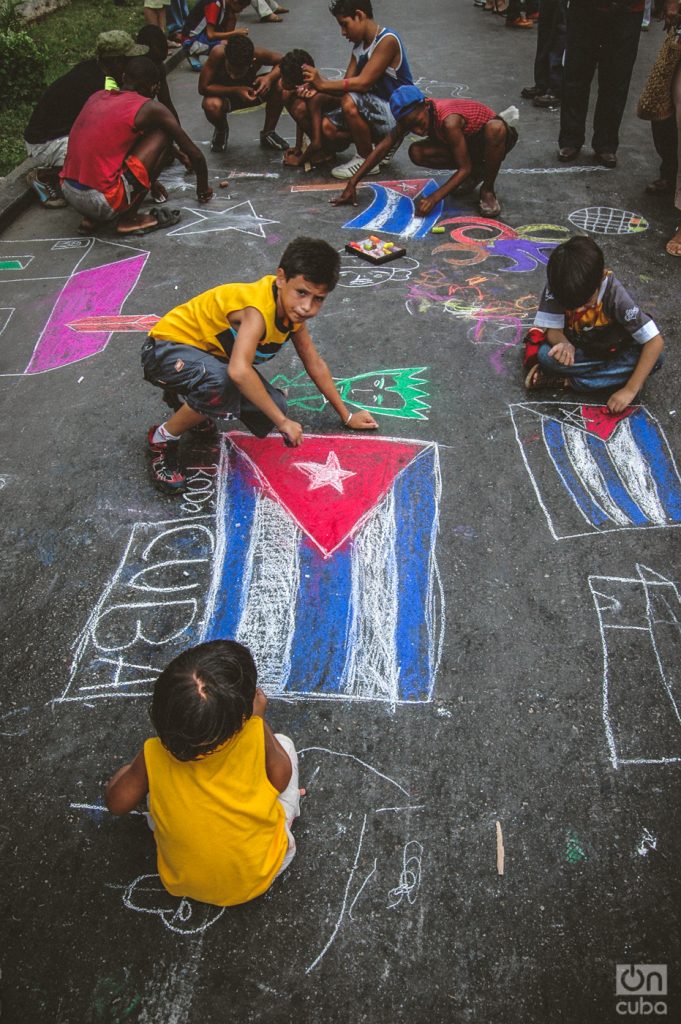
117	147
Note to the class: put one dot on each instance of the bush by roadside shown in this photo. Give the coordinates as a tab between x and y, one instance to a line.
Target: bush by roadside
63	38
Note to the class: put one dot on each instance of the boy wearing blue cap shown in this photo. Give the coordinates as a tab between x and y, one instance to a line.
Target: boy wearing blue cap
456	133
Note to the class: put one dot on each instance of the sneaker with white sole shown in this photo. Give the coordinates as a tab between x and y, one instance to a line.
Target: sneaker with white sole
164	465
218	144
48	192
351	167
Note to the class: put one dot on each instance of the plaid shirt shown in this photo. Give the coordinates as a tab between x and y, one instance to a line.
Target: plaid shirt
475	115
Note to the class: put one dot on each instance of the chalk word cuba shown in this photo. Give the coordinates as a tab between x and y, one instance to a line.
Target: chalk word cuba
321	559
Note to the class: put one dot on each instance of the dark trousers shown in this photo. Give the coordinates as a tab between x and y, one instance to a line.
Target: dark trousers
666	144
606	40
548	61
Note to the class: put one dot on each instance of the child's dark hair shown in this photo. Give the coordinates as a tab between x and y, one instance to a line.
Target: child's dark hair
348	8
239	51
141	71
203	697
575	271
155	38
312	258
291	66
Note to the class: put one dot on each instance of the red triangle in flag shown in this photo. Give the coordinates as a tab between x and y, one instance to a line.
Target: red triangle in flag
600	421
405	186
330	484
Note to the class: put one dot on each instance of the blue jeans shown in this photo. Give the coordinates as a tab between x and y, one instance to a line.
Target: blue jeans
588	374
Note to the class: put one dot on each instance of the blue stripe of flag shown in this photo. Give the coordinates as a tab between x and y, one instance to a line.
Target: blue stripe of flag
615	487
648	438
323	608
415	511
238	520
553	437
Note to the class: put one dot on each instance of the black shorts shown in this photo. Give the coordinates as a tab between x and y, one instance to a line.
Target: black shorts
201	380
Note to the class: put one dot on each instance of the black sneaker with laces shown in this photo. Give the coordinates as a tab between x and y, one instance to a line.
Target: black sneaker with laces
164	464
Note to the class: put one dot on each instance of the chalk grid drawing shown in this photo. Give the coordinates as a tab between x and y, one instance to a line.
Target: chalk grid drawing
357	872
398	393
326	567
594	471
65	281
321	559
605	220
640	625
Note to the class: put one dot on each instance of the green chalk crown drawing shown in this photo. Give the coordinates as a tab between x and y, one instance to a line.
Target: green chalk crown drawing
397	392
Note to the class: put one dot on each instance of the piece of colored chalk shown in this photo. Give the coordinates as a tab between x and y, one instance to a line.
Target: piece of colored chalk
373	238
437	231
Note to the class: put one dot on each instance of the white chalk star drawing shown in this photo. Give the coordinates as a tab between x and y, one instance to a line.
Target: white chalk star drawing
228	219
325	474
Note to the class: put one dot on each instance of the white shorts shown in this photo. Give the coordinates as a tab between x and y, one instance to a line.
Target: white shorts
48	154
290	799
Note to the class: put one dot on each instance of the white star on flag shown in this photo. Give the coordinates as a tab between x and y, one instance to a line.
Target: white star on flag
328	474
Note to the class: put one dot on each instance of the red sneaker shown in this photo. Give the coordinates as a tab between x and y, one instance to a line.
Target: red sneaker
531	342
164	464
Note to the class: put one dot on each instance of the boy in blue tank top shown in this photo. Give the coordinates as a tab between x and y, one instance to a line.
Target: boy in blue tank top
377	67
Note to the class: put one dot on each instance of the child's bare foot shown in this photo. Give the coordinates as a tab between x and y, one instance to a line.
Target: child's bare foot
674	244
271	17
489	204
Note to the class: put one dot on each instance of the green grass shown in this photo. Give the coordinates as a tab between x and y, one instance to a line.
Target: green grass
67	36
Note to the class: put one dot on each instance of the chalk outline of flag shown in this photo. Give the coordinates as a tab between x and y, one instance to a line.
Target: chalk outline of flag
597	586
434	603
534	408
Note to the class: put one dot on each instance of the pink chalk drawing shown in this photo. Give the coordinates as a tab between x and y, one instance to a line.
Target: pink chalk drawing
132	324
99	291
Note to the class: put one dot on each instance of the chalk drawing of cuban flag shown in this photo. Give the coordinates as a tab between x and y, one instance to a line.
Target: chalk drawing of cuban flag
392	209
325	565
640	625
593	471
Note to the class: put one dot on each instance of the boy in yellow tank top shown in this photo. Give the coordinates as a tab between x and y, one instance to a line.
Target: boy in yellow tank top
223	789
203	355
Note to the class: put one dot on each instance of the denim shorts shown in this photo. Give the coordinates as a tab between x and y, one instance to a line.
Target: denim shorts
200	379
373	109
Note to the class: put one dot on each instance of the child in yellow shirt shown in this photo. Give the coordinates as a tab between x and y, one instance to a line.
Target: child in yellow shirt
223	789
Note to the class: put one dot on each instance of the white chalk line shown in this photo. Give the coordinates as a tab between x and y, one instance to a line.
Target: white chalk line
329	943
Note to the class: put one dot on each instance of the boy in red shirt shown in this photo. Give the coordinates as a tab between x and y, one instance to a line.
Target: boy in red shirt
461	134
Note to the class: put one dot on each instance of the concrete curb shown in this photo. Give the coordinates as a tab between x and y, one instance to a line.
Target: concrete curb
16	196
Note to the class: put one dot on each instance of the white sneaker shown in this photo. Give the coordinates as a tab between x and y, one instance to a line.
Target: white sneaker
351	167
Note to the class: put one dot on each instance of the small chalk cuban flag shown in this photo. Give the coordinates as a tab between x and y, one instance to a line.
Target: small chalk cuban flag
325	565
594	470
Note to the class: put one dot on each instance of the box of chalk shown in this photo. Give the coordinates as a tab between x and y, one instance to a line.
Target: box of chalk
375	250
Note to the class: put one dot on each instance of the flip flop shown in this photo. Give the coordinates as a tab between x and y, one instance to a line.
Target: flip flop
164	219
677	246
